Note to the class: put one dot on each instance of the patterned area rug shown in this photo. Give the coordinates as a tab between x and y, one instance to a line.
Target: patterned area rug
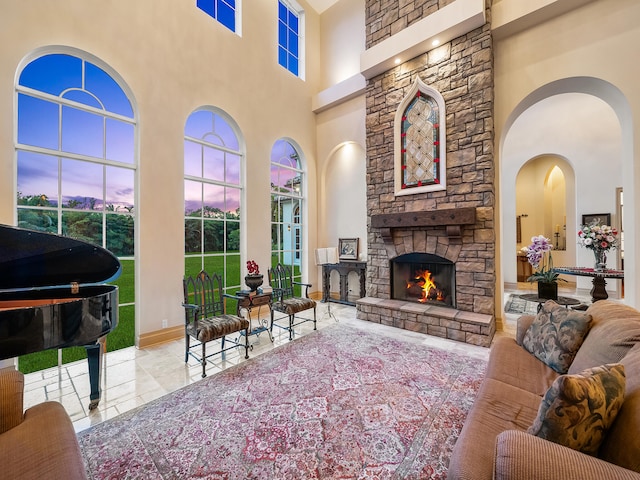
515	304
338	403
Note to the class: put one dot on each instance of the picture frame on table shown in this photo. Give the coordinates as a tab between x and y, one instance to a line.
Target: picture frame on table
598	218
348	248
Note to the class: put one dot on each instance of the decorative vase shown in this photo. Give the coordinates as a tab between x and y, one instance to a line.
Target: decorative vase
601	260
548	290
253	281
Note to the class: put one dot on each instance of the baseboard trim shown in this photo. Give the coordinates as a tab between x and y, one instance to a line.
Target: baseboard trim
161	336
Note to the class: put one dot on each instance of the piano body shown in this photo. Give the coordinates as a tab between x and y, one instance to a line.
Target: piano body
52	295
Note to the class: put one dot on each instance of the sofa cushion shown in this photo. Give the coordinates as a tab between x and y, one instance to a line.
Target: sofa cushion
578	409
622	442
518	456
556	335
615	329
510	363
498	407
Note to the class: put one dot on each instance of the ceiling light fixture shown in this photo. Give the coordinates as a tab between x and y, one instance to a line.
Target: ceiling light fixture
397	61
435	43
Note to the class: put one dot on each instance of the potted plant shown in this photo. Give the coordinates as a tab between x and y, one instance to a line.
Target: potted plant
539	256
254	278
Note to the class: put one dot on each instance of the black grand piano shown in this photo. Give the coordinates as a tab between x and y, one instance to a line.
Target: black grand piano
52	295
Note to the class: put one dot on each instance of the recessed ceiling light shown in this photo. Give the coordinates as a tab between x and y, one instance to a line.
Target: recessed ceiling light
397	61
435	43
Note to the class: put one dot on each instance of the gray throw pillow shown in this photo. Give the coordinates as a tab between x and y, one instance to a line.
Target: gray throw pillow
556	334
577	410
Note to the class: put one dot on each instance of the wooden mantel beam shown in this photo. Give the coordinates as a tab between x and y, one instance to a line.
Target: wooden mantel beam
452	219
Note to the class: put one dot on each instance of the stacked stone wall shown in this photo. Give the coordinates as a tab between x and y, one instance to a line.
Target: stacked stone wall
387	17
462	71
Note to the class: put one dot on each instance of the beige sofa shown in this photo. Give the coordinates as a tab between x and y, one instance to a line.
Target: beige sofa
39	443
494	443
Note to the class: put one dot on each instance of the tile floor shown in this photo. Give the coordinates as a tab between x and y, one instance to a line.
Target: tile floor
132	377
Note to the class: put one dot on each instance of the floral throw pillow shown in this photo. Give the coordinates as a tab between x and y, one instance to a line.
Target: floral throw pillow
578	409
556	334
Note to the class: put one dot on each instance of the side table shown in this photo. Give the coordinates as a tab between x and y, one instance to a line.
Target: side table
566	301
248	302
598	292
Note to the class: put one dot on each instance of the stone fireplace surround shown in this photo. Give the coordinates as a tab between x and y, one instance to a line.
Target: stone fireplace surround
464	323
461	70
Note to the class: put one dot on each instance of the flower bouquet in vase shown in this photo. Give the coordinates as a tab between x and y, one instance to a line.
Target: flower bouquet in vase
600	239
539	256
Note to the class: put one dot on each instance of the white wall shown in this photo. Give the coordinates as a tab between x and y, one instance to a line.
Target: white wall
341	132
342	38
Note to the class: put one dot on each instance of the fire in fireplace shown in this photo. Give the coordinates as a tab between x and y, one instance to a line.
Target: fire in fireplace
423	278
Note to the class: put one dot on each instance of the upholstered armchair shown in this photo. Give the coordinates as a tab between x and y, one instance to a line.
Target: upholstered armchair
38	443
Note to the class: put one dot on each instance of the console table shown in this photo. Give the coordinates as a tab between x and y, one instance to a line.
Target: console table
343	268
598	292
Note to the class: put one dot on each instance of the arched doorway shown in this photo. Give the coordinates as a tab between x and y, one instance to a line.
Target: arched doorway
581	120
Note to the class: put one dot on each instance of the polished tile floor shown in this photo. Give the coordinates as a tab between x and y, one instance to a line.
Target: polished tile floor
132	377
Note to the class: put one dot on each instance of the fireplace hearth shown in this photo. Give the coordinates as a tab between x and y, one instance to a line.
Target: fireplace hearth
423	278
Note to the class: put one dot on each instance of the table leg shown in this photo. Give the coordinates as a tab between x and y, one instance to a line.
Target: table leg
599	292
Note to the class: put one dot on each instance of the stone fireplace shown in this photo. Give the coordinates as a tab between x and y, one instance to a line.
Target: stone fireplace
454	224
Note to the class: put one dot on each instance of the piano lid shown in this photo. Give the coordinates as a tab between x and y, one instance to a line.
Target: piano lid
31	259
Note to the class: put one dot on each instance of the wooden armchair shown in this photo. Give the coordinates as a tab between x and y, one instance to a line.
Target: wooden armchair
284	299
207	320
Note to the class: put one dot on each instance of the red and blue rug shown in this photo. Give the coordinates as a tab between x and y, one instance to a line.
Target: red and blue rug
339	403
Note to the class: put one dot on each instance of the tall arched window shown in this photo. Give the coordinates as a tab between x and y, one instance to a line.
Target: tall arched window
212	195
76	164
287	195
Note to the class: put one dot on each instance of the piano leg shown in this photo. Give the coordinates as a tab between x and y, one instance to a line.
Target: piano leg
94	358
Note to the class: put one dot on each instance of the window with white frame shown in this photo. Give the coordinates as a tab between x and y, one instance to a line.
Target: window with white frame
287	196
291	37
76	162
227	12
212	195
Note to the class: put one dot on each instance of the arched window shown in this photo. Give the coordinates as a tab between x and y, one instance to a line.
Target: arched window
287	195
76	163
212	195
420	149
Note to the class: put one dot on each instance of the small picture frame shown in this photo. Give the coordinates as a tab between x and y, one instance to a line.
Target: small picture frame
598	218
348	248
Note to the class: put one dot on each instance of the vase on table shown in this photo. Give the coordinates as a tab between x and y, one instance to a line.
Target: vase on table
601	260
253	281
548	290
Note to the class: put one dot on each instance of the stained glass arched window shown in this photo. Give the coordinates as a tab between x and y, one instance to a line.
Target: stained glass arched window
420	159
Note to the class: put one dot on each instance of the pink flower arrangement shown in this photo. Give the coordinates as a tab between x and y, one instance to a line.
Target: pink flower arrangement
253	268
598	237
